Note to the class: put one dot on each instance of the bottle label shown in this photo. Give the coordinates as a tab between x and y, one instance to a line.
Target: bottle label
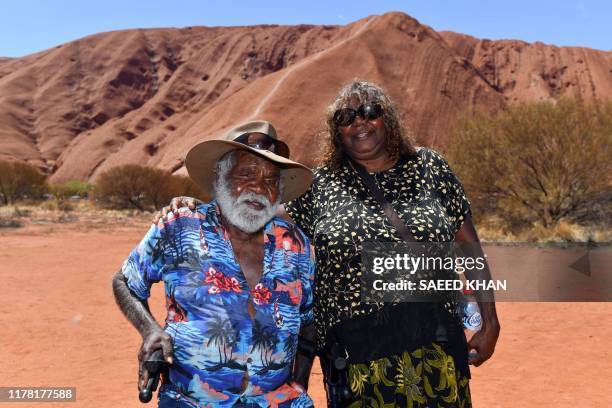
473	321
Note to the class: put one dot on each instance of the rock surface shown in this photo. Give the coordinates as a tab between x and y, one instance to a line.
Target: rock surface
146	96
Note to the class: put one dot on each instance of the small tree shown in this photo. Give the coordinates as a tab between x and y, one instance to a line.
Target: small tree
536	161
70	189
184	186
128	186
143	188
19	180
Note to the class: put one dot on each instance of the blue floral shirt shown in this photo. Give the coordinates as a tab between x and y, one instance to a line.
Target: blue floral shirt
221	354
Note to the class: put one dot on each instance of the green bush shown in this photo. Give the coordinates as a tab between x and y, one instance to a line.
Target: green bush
142	188
537	162
20	180
70	189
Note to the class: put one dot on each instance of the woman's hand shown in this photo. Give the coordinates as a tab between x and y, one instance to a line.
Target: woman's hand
175	204
484	342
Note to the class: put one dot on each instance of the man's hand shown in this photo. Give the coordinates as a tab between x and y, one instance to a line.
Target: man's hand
484	343
175	204
158	339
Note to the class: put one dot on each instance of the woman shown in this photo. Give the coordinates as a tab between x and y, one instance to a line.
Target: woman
338	213
364	127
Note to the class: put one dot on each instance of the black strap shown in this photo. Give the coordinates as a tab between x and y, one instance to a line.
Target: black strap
396	221
378	195
306	347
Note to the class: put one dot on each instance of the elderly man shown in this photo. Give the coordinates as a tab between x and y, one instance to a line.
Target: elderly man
238	281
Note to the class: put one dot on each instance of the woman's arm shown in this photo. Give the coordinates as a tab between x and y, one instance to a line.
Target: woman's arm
175	204
485	339
192	203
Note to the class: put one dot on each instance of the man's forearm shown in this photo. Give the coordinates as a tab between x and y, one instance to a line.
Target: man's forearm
135	310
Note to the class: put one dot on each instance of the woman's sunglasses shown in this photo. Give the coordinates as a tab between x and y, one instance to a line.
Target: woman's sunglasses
262	141
346	116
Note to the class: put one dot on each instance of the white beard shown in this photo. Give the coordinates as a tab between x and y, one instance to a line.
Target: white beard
238	213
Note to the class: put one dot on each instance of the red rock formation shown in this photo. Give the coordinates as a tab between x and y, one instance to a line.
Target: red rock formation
526	72
146	96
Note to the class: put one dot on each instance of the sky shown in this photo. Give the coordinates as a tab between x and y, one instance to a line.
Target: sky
28	26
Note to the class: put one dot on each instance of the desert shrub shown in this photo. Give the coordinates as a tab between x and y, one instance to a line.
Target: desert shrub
143	188
20	180
65	205
129	186
49	205
184	186
9	223
21	212
70	189
537	162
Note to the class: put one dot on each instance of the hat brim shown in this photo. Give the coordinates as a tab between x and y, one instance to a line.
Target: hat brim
202	159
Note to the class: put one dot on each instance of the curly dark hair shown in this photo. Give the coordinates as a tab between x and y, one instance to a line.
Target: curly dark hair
358	91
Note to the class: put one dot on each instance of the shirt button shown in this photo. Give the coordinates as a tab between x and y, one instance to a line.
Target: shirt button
249	360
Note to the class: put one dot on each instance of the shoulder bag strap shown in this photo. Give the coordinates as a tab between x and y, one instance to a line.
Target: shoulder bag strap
378	195
441	333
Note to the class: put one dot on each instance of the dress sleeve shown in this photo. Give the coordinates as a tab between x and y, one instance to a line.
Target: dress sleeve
302	211
450	190
307	279
143	266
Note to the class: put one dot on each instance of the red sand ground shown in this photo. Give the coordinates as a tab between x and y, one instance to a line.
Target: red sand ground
61	327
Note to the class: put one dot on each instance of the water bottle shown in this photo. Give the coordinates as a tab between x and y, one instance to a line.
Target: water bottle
472	321
470	316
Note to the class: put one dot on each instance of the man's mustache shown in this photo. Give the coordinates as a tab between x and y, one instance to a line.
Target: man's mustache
258	198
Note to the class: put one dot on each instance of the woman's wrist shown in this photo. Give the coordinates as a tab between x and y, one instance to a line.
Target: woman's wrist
490	323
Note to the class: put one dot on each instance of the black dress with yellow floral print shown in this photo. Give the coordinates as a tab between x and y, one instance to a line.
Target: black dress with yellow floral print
339	214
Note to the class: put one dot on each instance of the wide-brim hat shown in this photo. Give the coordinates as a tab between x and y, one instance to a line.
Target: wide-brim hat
203	157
